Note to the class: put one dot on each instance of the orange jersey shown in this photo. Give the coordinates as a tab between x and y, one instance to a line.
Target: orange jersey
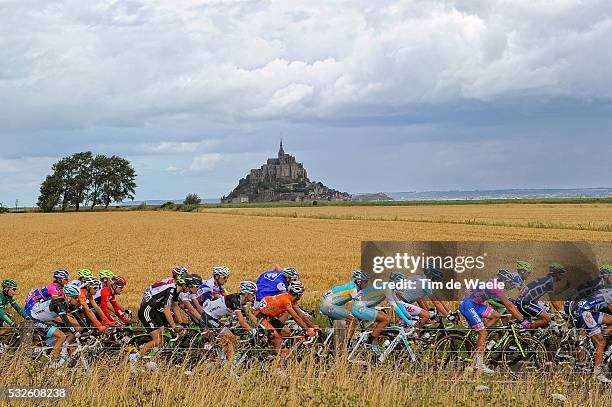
83	297
275	305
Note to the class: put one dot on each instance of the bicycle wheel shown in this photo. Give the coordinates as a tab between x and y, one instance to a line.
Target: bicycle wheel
452	352
532	358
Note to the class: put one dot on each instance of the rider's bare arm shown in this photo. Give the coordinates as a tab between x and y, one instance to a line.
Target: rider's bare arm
511	308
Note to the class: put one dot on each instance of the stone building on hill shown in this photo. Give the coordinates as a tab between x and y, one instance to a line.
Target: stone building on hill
281	179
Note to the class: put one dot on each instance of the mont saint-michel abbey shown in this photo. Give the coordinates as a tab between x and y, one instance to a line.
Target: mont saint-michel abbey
281	179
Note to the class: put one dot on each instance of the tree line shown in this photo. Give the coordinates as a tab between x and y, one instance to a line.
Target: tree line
82	179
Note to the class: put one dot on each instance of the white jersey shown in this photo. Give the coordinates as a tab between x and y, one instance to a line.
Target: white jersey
216	308
187	297
42	312
76	283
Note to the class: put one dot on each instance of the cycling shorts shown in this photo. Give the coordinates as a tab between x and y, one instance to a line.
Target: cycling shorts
361	311
151	318
333	311
413	310
590	321
530	309
474	313
214	324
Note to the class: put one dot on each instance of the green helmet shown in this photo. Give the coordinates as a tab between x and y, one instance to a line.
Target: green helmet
9	283
556	269
106	273
605	270
524	266
84	273
180	279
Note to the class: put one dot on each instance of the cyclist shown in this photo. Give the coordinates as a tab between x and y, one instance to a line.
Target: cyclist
157	311
592	313
524	270
474	309
188	299
403	300
232	304
514	281
333	301
53	320
107	292
275	281
213	287
48	292
7	297
82	273
527	302
89	286
365	298
273	311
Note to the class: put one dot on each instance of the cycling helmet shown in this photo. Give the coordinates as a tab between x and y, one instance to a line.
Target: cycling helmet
193	280
556	269
176	270
90	282
71	291
60	274
290	273
180	279
221	271
105	273
296	287
432	273
360	275
9	283
510	277
119	281
605	270
84	273
524	267
248	287
397	276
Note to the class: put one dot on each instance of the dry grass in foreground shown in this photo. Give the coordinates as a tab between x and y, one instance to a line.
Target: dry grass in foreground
305	384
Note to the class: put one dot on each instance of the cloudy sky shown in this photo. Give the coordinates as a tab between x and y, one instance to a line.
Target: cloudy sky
370	96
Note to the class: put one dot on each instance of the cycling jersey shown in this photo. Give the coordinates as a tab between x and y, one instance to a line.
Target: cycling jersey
160	294
42	294
275	305
536	289
209	289
364	302
474	308
334	299
46	312
6	300
586	290
401	300
102	297
217	309
76	283
270	283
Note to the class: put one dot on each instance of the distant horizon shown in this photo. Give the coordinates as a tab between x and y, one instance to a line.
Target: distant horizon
609	189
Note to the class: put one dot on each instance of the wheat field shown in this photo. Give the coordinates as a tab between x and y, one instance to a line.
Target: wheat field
323	243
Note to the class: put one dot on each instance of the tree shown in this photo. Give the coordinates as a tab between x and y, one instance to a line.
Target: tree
192	199
101	172
3	209
82	178
120	183
50	192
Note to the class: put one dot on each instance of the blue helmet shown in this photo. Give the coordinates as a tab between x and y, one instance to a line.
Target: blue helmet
397	276
511	277
360	275
71	291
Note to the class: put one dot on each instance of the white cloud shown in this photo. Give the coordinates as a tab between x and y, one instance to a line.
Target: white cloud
204	162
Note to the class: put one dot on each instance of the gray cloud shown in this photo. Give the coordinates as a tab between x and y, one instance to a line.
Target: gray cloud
187	85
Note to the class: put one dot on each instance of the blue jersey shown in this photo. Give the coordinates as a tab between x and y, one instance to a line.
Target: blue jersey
370	296
585	290
536	289
341	294
271	283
